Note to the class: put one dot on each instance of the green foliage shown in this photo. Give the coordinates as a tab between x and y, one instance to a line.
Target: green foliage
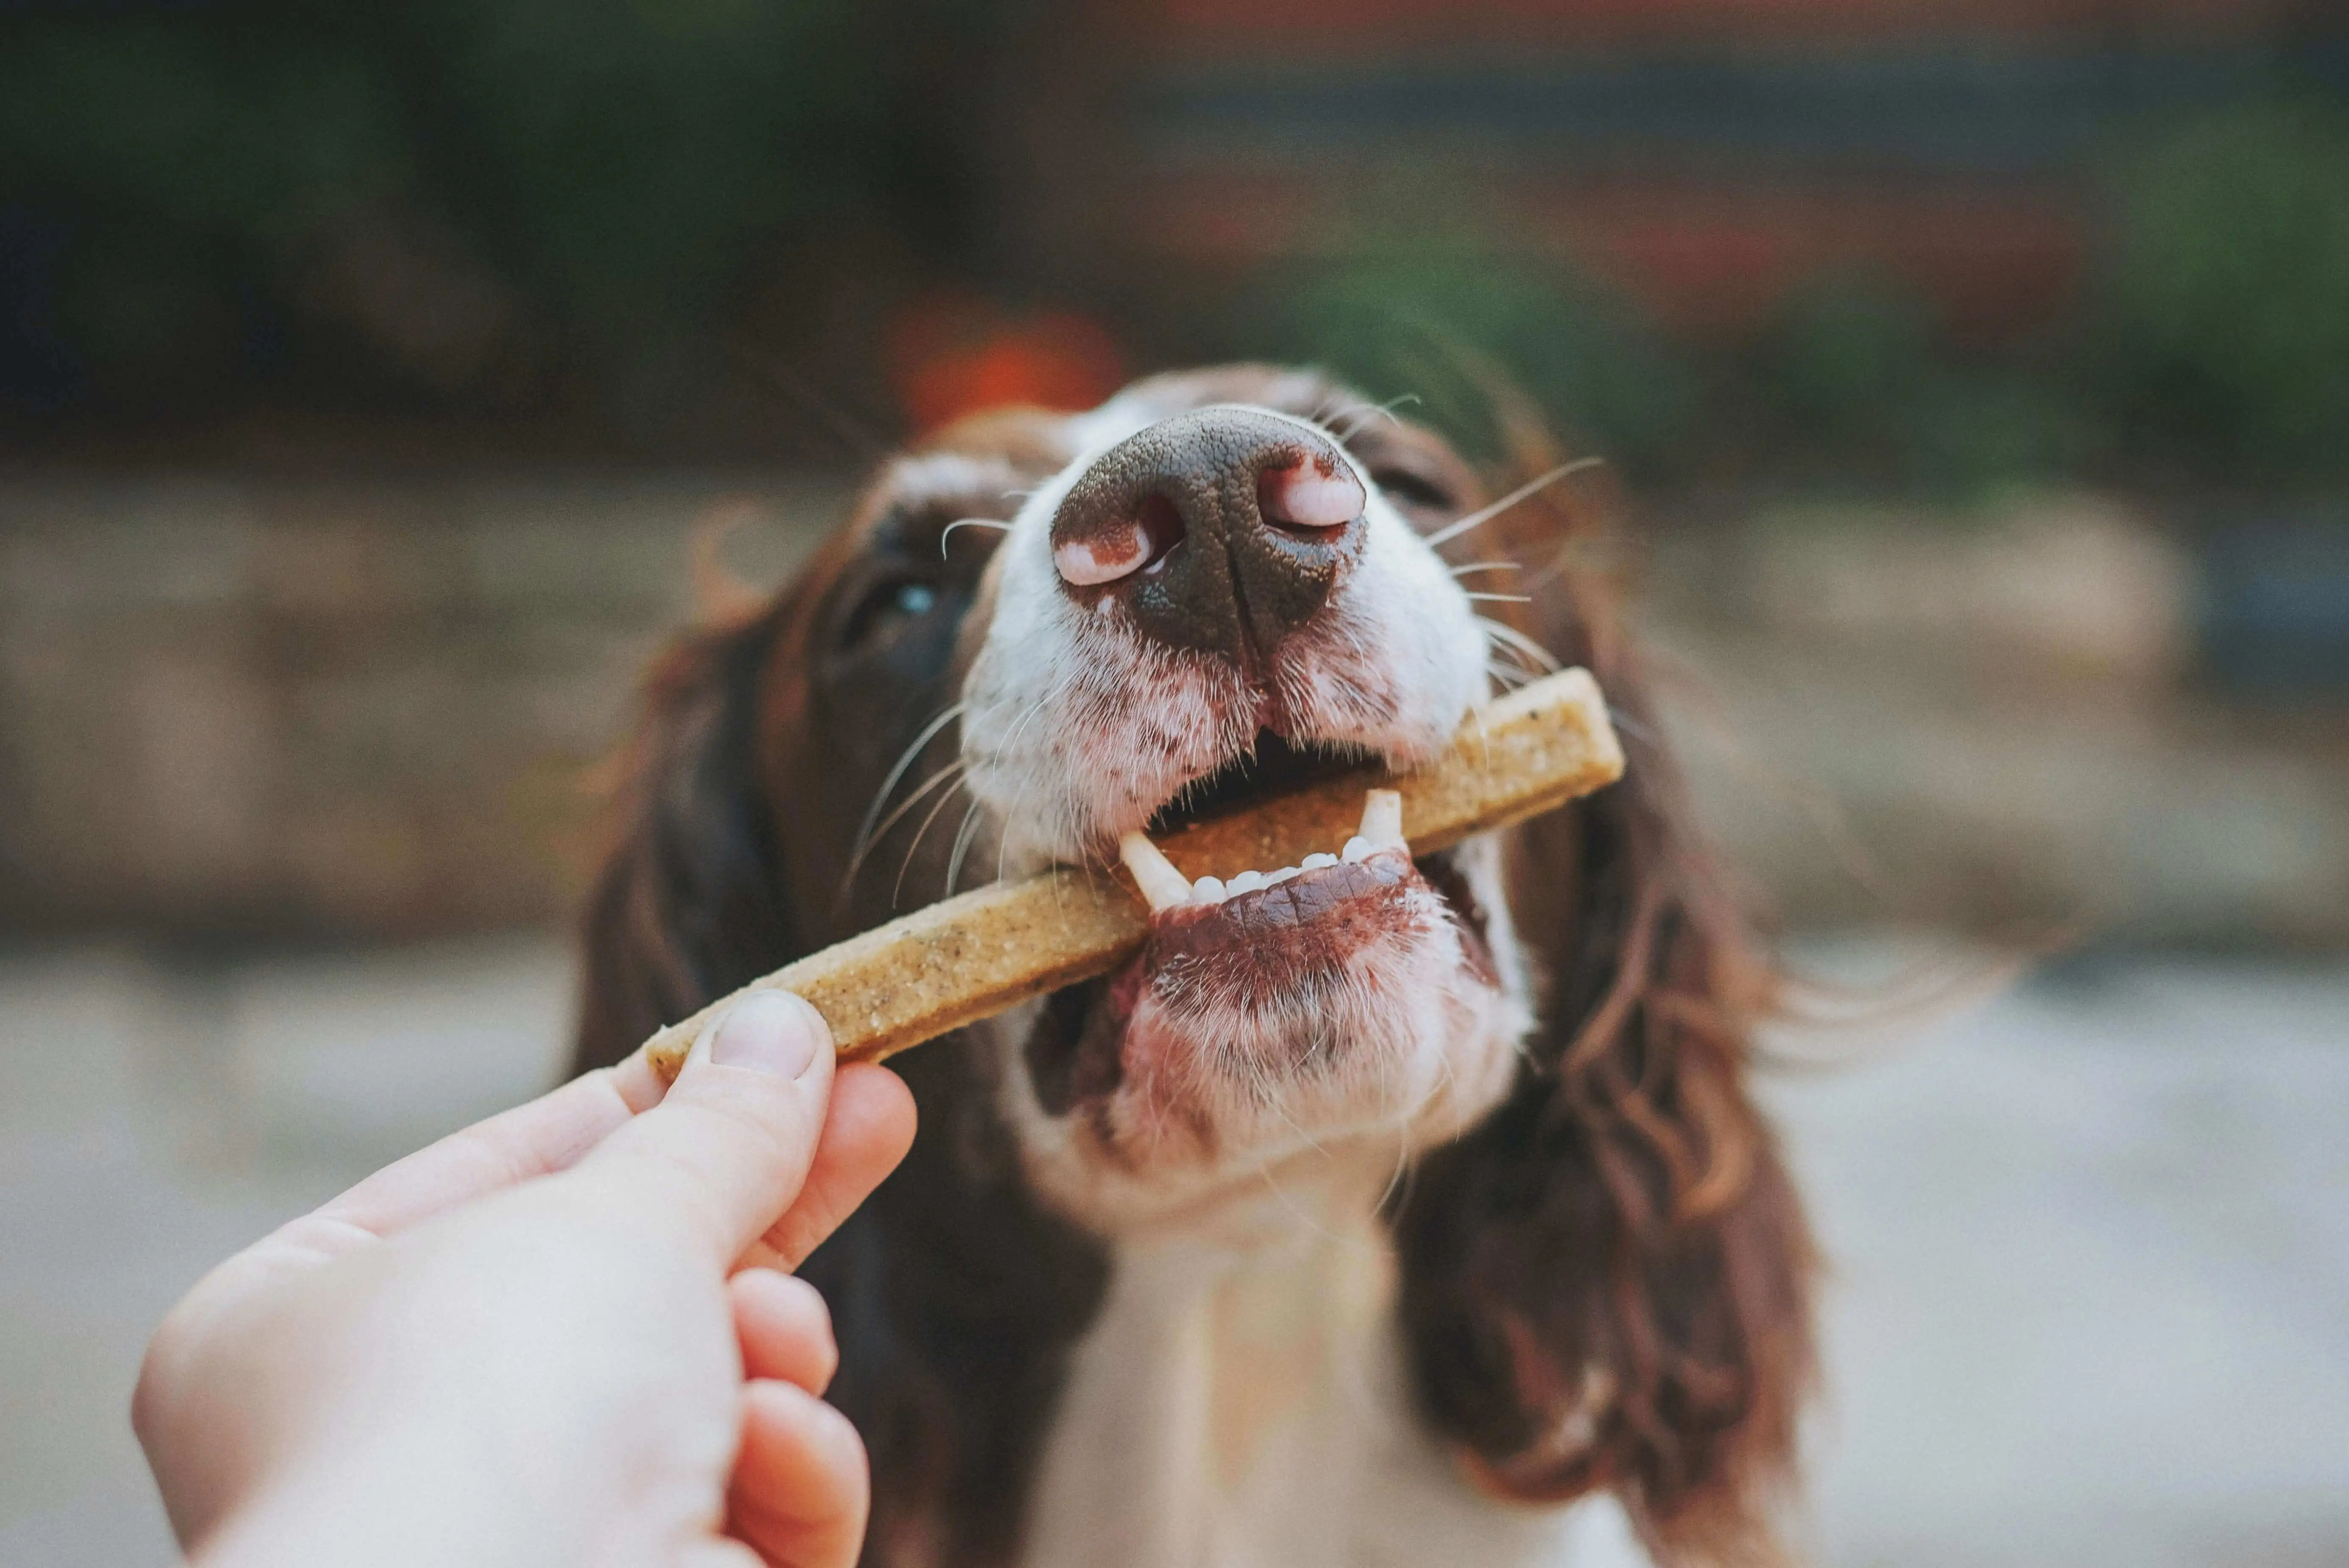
619	164
635	152
2224	306
1851	358
181	167
1443	325
1855	378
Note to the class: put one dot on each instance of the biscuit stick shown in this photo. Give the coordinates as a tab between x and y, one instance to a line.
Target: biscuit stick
976	954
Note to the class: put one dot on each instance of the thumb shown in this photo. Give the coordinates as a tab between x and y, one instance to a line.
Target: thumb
728	1147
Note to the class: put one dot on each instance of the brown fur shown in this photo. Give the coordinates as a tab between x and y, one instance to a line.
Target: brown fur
1607	1283
1604	1284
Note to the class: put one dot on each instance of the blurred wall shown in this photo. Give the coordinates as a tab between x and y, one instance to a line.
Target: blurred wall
321	710
310	710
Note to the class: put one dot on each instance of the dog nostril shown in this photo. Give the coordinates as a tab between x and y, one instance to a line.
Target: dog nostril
1108	555
1308	496
1122	548
1161	530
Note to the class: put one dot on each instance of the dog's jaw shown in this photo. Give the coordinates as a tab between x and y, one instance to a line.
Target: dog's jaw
1228	1053
1220	1094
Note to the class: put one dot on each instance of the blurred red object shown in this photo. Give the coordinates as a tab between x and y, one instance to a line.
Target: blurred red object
953	355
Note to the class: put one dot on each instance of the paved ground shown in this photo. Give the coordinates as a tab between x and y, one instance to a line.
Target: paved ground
2091	1237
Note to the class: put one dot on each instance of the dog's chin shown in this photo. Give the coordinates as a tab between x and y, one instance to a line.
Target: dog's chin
1330	1025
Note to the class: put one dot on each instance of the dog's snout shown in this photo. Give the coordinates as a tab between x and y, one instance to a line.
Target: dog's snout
1223	529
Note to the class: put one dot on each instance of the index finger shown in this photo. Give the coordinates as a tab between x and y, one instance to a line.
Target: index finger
539	1138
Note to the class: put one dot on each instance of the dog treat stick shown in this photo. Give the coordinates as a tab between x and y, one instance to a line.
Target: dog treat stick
974	955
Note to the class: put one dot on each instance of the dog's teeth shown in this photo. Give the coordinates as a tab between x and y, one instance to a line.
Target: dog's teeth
1153	873
1358	847
1207	889
1382	819
1282	875
1315	862
1247	882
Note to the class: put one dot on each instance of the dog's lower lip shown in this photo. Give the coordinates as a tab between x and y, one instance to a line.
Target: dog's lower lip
1207	923
1298	902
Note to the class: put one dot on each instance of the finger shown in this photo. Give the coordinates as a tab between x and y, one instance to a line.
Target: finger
727	1150
784	1328
548	1134
800	1487
865	1133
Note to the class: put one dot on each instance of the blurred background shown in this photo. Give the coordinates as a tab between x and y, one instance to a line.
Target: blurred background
1974	372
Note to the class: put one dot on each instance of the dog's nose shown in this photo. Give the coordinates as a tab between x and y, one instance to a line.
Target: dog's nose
1223	529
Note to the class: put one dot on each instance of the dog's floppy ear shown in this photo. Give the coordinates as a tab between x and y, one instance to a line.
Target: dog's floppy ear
691	901
1606	1283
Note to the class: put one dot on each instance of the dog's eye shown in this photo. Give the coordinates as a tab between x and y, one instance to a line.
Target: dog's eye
886	609
1414	489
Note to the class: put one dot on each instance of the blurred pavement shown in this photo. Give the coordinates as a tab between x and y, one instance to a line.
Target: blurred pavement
2091	1237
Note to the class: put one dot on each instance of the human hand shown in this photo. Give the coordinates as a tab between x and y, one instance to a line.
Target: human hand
537	1341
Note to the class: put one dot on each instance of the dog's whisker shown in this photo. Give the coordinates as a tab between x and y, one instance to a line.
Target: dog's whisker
1019	726
906	865
1638	730
1487	566
1512	658
1484	514
1500	598
898	771
947	532
1511	677
1517	641
951	773
1363	416
962	842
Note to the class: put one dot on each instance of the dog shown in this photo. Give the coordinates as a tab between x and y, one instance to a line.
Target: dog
1424	1219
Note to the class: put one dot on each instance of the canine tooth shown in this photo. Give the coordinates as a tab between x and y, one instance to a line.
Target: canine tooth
1382	819
1315	862
1358	847
1282	875
1153	873
1207	889
1247	882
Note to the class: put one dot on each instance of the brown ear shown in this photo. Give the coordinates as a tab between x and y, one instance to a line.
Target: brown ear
690	902
1606	1283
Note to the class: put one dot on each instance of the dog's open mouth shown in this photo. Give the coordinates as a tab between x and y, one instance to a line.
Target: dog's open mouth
1262	956
1262	933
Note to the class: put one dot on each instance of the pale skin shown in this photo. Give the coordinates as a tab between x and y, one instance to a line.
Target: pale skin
565	1336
